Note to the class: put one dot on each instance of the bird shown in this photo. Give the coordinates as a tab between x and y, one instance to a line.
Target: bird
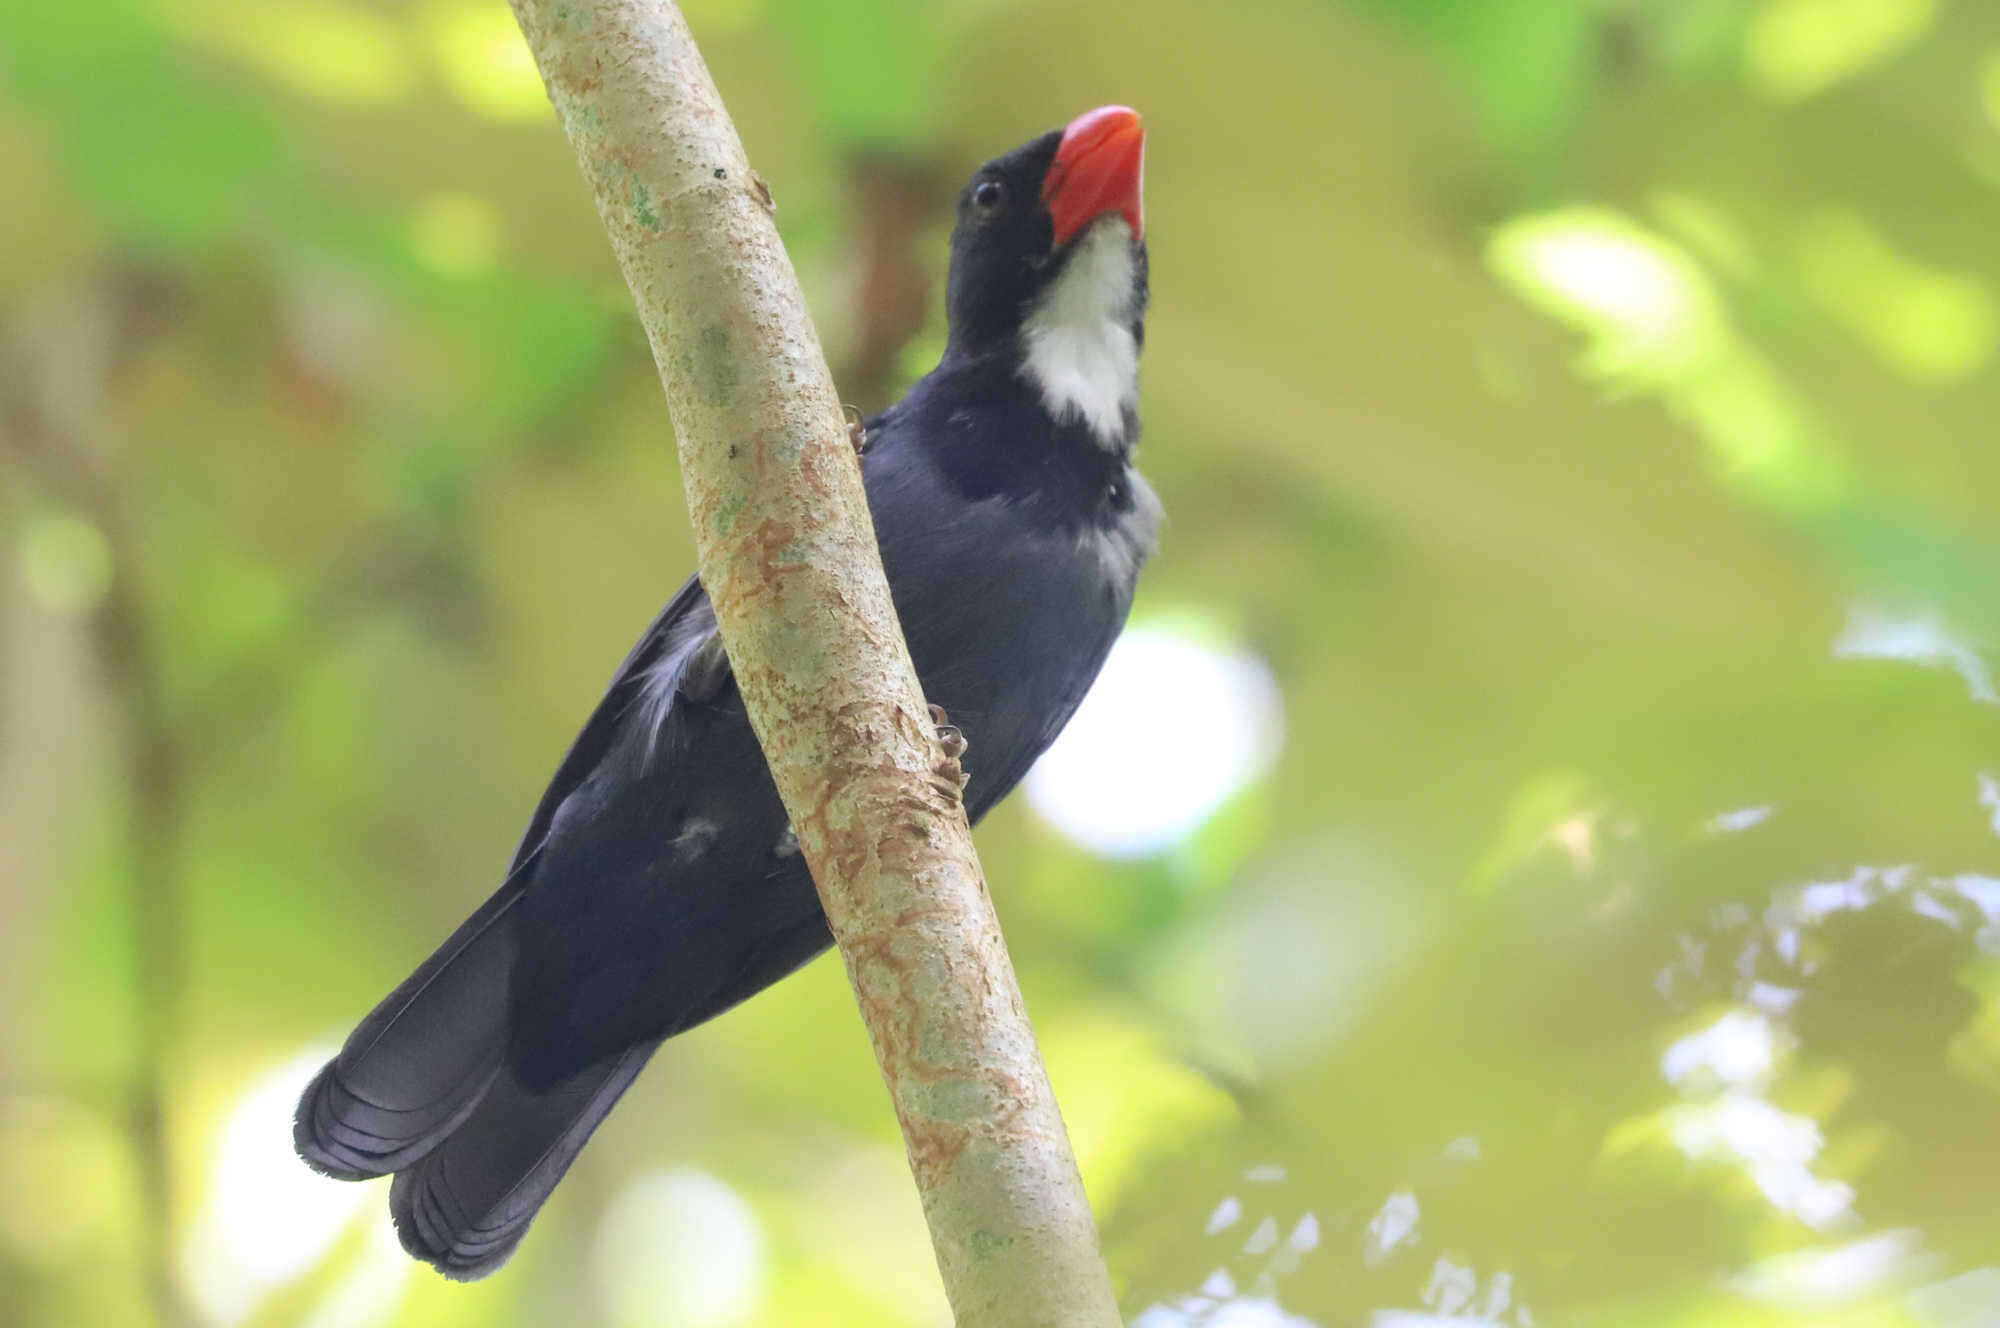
659	882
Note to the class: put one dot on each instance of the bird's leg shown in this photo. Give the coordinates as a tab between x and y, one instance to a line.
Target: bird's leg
948	775
857	433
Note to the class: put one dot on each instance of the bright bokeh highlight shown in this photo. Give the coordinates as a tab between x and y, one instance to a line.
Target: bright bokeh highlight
1930	324
1801	47
482	58
456	234
1657	324
680	1249
265	1218
1173	728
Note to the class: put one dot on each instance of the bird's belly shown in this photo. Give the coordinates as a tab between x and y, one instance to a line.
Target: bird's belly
1007	666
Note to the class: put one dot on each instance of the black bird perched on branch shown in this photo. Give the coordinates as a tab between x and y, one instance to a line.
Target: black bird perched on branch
659	882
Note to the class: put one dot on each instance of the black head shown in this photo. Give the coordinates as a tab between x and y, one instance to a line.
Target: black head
1023	215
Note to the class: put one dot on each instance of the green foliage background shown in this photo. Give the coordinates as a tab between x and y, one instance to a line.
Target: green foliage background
1546	390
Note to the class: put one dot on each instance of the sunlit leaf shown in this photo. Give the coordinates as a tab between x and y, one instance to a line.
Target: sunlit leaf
1799	47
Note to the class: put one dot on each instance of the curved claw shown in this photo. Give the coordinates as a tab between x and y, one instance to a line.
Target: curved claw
952	745
952	741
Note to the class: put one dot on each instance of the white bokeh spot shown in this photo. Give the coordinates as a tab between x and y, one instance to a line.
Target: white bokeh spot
266	1218
680	1247
1173	728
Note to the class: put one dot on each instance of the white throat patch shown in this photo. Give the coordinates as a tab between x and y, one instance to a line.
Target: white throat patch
1080	352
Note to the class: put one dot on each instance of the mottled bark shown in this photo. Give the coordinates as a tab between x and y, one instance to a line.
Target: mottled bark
788	555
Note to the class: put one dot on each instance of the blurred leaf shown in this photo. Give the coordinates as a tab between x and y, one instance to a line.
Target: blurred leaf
1799	47
485	61
1932	325
335	51
1529	66
1551	810
870	66
160	153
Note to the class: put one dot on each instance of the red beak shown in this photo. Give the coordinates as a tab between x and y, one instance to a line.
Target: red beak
1099	167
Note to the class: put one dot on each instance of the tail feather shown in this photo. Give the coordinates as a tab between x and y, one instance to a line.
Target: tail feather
330	1140
466	1204
419	1064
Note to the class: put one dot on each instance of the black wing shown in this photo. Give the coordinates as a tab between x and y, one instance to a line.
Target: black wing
419	1064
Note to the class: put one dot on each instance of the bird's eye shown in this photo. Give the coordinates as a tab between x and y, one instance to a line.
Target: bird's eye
988	195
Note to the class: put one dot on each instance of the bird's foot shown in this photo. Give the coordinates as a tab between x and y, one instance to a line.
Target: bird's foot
949	736
857	433
948	775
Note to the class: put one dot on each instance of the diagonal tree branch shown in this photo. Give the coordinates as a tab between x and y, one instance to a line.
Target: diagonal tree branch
788	556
